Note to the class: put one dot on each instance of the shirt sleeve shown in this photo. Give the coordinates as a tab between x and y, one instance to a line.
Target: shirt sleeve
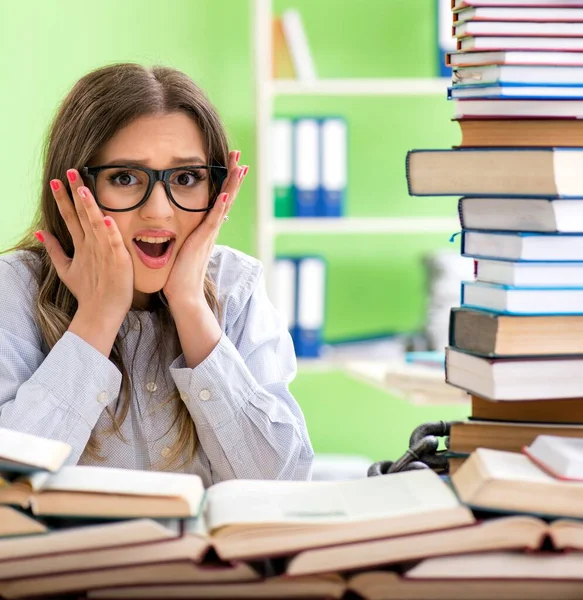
248	423
59	396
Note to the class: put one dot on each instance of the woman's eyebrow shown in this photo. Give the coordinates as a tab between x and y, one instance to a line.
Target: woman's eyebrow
176	160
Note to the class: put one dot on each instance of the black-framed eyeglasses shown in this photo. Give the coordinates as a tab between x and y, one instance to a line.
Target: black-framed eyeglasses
121	188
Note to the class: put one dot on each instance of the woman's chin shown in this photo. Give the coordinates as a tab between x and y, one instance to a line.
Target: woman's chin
150	285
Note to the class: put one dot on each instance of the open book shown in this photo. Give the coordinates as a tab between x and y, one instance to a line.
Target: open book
510	481
507	533
16	523
23	452
85	491
561	457
256	519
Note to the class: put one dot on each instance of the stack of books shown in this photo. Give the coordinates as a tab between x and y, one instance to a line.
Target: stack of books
516	342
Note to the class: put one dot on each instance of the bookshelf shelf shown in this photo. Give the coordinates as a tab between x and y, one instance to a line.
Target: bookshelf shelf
355	225
359	87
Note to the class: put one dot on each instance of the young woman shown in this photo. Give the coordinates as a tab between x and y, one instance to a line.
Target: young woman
124	330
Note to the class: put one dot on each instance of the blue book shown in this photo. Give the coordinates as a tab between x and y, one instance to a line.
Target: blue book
513	300
285	290
333	167
521	246
311	300
516	75
493	91
306	166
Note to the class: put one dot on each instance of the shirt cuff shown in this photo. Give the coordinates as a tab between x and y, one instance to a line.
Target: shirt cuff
218	388
80	376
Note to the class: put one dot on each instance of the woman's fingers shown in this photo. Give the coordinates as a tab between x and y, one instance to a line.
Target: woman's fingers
75	182
56	253
93	216
68	211
114	236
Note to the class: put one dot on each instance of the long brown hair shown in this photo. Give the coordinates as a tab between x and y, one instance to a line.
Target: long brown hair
98	106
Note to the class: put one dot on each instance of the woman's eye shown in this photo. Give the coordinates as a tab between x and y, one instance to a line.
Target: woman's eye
124	179
187	178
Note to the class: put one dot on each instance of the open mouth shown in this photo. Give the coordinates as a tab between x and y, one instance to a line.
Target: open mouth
155	252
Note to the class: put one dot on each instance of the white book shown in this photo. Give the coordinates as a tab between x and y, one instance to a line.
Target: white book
522	246
334	139
459	4
517	13
515	379
529	75
281	152
522	301
518	108
516	91
562	457
306	166
541	274
493	42
24	451
549	29
297	42
517	57
518	214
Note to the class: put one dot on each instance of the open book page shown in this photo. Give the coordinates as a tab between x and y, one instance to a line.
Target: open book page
511	466
125	482
32	450
499	565
320	502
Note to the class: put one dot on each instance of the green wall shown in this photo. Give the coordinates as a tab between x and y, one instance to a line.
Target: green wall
376	282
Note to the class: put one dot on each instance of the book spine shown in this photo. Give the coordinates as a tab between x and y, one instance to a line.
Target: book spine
333	137
460	212
311	303
306	166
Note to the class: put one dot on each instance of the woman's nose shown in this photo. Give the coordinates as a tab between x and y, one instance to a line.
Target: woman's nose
158	204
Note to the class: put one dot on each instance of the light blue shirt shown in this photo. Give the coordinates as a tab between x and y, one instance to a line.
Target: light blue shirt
248	424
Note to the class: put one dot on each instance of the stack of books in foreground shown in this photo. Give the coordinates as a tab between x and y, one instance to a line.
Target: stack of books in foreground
516	343
97	532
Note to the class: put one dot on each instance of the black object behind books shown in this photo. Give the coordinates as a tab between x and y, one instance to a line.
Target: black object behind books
422	453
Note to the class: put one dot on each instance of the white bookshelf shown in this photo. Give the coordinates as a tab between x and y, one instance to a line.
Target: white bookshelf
268	228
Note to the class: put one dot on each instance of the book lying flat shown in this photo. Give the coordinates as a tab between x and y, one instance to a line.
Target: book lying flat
156	571
517	214
88	491
557	410
517	246
23	452
514	28
514	13
497	335
321	586
512	300
510	57
510	481
506	42
85	538
511	108
520	132
511	172
509	379
541	274
385	585
507	90
466	436
506	533
518	74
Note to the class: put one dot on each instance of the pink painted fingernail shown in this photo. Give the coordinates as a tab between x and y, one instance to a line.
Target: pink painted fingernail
245	170
55	185
241	172
71	175
83	192
225	197
238	155
39	236
108	221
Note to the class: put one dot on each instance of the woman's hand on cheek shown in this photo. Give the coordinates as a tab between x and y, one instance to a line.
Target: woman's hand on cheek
185	285
100	274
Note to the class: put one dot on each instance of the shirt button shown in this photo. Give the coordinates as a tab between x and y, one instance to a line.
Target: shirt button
204	395
151	386
102	397
184	396
166	452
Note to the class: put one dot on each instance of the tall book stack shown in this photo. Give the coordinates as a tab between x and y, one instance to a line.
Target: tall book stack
516	342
